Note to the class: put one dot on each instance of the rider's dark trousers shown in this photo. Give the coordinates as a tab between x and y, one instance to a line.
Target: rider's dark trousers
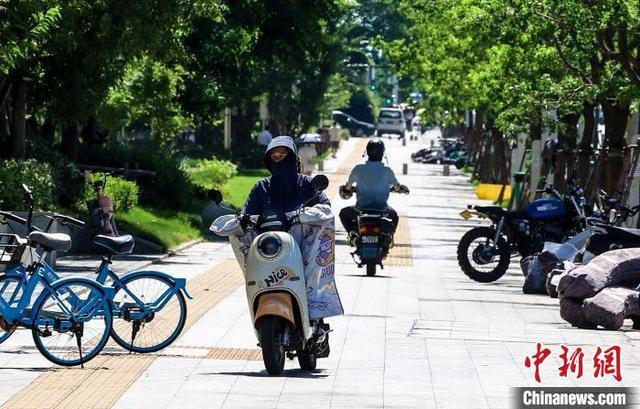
349	218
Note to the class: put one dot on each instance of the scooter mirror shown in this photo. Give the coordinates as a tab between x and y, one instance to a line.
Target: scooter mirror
215	196
320	182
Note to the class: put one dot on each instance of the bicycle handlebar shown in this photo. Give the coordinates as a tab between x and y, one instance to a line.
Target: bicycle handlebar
69	220
13	217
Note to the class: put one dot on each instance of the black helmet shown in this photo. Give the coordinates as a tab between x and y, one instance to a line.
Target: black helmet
375	149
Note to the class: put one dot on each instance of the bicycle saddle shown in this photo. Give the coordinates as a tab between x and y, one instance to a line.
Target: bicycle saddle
51	241
116	245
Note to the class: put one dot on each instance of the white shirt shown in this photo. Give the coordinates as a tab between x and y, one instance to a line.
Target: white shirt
264	138
307	153
373	180
334	134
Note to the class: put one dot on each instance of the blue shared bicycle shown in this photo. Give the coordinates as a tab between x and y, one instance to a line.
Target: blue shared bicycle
71	317
150	305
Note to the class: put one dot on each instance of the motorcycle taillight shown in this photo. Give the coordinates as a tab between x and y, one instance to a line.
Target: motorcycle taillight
369	229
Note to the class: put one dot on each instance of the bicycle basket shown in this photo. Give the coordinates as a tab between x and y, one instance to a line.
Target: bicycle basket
11	249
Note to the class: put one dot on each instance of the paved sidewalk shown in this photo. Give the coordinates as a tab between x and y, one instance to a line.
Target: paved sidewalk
418	335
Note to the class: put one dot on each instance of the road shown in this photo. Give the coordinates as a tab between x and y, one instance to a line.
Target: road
418	335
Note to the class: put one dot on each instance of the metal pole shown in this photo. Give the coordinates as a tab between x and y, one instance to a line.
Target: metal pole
227	128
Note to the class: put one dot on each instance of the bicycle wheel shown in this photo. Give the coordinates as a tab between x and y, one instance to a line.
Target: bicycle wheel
156	321
72	322
11	290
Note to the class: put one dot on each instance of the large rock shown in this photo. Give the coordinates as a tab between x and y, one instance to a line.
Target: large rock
572	312
611	269
611	306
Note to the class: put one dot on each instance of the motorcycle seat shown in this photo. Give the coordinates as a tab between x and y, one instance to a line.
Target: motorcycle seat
491	210
622	233
500	212
116	245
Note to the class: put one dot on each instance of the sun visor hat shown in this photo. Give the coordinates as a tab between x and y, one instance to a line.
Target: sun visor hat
280	141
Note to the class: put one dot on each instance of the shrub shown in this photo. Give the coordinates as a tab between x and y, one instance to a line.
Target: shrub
124	193
170	187
35	174
209	173
69	181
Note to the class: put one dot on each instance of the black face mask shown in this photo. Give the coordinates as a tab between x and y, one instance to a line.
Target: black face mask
284	179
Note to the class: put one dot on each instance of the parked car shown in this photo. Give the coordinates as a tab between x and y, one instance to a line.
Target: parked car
391	121
355	127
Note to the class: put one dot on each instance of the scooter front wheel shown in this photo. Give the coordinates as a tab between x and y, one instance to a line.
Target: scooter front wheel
272	330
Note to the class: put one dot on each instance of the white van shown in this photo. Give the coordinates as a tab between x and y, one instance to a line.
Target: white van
391	121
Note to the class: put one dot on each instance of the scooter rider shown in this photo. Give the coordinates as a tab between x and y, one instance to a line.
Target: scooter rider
286	189
284	241
373	180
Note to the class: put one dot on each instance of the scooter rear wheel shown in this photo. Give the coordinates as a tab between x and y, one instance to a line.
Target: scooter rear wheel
272	331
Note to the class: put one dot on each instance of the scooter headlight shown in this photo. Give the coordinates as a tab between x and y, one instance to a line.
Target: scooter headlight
269	246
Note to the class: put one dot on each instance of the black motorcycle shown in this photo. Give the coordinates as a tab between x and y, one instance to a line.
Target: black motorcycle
374	236
484	253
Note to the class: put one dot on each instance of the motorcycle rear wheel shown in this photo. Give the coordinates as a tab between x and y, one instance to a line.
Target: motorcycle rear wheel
307	361
504	255
371	269
272	329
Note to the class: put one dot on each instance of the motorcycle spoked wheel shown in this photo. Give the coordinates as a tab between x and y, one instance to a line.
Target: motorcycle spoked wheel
273	330
473	258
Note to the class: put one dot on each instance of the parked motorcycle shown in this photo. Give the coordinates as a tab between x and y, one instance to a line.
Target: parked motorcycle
276	286
374	236
484	253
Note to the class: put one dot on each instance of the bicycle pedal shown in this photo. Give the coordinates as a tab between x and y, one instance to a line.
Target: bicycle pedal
6	326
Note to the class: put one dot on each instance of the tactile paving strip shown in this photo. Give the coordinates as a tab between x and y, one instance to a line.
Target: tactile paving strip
107	377
401	253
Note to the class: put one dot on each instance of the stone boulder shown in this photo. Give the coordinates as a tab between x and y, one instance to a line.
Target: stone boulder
611	306
610	269
572	312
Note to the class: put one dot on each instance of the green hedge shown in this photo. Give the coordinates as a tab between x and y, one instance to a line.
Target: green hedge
170	187
37	175
124	193
209	173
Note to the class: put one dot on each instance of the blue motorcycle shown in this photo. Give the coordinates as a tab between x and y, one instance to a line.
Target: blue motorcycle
484	253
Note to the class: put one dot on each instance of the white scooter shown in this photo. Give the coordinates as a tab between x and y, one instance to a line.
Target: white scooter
276	287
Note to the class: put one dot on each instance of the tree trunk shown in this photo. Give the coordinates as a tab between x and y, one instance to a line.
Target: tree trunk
564	168
477	139
535	132
18	131
5	89
616	115
70	136
90	134
242	126
585	150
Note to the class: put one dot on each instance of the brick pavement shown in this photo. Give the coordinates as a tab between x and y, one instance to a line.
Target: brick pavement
418	335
